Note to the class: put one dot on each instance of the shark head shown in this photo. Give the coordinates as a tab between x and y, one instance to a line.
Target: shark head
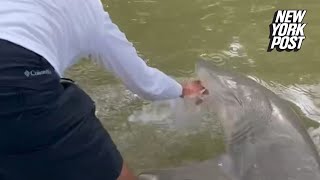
233	98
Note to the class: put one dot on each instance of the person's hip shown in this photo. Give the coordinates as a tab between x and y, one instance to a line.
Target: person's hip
48	128
26	79
22	68
35	106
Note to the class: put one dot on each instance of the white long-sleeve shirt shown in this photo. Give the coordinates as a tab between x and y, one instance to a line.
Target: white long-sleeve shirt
63	31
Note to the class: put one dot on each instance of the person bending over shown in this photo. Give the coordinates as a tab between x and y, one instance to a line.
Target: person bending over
48	127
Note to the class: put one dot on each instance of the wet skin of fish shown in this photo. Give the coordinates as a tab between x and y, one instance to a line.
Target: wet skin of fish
265	138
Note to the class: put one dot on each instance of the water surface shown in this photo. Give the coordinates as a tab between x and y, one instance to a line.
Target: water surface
171	35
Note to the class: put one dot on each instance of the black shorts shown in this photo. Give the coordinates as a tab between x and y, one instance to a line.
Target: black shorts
48	129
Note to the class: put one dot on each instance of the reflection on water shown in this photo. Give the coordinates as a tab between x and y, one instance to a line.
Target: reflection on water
172	35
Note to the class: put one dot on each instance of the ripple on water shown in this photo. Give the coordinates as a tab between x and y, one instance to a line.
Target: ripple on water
207	16
114	102
211	5
236	49
261	46
306	97
229	0
218	59
144	1
153	126
261	8
258	80
234	55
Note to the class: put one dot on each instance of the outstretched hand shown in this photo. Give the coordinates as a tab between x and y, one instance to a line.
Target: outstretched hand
194	89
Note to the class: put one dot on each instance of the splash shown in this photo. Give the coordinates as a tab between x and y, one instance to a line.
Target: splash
184	116
176	115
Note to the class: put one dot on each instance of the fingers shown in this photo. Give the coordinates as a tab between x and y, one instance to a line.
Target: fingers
199	99
205	92
126	173
194	89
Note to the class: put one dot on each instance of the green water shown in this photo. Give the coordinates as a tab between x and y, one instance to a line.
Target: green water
171	35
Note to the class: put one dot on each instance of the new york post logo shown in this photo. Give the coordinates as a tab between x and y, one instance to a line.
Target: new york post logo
287	30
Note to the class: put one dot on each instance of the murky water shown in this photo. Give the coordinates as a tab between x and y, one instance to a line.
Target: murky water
171	35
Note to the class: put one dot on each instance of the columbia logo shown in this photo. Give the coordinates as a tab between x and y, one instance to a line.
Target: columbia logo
36	73
27	73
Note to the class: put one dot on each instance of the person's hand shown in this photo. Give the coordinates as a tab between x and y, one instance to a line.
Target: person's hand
194	89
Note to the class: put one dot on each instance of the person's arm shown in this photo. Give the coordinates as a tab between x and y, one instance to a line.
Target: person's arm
120	57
